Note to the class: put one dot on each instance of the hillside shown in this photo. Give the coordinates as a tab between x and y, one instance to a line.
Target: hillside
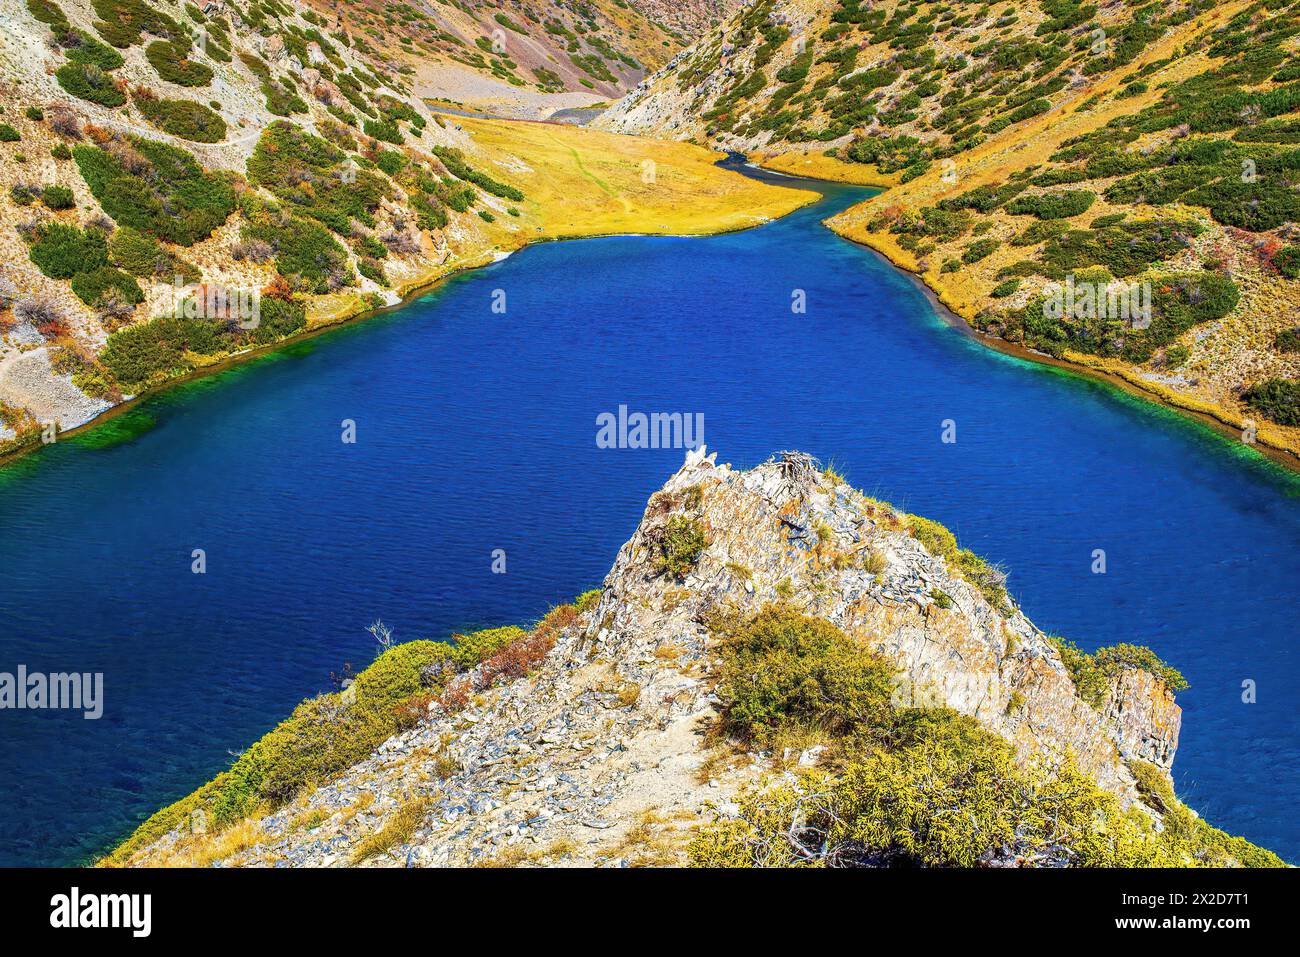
180	185
773	655
1109	185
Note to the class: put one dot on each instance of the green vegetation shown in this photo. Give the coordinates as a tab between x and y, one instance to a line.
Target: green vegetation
156	188
147	353
97	286
316	179
327	734
916	787
305	252
785	674
1092	673
991	582
88	82
83	48
184	118
61	251
679	543
1279	399
137	253
454	160
1062	205
171	59
58	197
8	134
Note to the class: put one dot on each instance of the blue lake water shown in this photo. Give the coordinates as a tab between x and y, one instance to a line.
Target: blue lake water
476	431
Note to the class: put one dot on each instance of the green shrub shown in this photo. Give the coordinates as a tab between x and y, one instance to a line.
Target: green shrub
679	543
88	82
171	197
135	252
58	197
23	194
1278	399
315	177
278	319
478	646
61	251
979	249
385	130
170	59
8	134
122	21
83	48
1287	261
184	118
390	161
49	12
282	101
942	543
1059	205
97	285
1092	673
454	160
1288	340
305	253
955	794
785	673
372	270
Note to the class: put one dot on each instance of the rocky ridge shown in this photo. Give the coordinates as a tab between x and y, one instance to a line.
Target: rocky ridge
602	756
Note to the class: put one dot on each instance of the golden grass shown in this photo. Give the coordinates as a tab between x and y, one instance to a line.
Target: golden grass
397	830
584	182
204	850
818	166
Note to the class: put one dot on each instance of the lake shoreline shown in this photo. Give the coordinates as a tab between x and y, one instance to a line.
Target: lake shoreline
1276	452
406	294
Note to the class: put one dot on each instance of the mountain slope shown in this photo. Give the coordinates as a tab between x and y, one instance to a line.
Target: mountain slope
1132	150
181	185
760	631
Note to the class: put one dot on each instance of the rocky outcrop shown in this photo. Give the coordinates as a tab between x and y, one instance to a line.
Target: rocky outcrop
600	755
774	535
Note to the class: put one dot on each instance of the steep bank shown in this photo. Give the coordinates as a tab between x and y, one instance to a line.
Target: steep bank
759	629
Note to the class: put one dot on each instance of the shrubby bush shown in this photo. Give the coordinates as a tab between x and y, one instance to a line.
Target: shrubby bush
156	188
454	160
784	673
315	177
88	82
1059	205
171	59
95	286
58	197
184	118
305	253
61	251
325	735
1278	399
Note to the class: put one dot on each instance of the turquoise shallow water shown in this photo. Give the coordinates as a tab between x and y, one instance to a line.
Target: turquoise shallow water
476	431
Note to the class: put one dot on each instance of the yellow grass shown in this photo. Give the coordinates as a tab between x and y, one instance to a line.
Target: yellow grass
584	182
397	830
817	166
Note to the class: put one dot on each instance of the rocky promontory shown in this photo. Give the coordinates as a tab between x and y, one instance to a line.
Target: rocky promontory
777	669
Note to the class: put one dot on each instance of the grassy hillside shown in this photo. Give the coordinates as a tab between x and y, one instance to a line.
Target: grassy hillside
1130	149
243	155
